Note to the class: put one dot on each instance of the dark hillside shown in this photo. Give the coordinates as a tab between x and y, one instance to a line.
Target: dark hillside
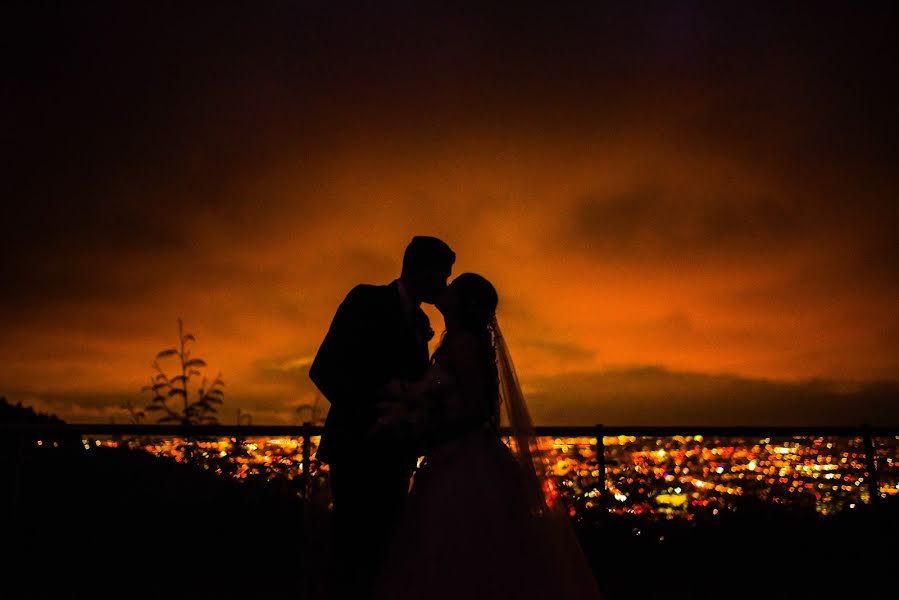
81	522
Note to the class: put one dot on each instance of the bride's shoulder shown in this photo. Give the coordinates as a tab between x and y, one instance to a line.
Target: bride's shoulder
461	340
460	348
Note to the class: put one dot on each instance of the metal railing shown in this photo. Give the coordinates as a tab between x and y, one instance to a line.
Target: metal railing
597	432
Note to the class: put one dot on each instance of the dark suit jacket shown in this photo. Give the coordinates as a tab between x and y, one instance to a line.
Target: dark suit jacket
371	340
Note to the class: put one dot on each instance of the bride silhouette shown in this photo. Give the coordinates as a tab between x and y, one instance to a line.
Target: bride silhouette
476	523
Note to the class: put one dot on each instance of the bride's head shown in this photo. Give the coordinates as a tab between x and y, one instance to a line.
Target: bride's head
469	303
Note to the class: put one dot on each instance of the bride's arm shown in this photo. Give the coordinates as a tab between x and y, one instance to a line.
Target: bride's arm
452	392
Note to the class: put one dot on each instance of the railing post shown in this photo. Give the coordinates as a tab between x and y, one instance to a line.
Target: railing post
305	460
601	468
871	461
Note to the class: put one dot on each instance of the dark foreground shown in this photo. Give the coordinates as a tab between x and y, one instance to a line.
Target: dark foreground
116	523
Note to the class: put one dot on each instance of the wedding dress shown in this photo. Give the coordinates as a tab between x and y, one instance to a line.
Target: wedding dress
476	524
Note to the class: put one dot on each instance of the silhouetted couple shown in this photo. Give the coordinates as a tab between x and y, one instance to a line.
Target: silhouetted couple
475	523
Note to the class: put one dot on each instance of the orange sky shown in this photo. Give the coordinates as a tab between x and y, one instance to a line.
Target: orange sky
707	196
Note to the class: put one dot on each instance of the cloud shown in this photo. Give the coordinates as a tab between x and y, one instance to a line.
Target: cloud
564	351
640	395
78	407
295	370
651	395
653	223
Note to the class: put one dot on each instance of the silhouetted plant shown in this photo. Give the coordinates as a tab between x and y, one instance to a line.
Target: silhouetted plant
164	388
136	415
199	412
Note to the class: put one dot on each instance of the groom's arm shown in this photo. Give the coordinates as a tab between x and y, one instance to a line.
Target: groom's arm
342	368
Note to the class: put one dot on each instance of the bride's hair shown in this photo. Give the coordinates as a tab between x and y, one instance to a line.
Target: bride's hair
477	300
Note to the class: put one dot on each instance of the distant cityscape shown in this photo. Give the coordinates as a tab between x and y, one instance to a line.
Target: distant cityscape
674	477
689	476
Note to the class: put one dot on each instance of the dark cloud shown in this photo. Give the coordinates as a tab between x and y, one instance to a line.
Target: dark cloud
568	352
657	396
84	407
653	223
293	370
101	405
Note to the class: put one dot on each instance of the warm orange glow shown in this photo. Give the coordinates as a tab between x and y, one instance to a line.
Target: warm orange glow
664	232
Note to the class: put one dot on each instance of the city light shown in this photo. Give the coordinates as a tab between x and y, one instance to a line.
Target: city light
675	477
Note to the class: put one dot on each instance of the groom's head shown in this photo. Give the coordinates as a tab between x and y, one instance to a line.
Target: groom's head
427	264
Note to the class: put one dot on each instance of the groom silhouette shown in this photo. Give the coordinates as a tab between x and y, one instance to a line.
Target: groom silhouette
379	333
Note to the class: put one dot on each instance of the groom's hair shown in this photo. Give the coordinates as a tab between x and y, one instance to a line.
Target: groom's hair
425	252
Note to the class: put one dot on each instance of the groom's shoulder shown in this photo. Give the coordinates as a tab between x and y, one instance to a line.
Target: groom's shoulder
367	294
